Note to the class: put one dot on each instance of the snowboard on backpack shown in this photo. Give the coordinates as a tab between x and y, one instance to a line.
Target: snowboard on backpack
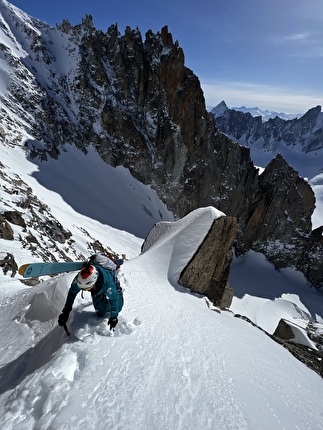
39	269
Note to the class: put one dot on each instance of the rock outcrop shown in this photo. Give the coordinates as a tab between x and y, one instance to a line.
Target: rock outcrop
279	224
284	331
208	271
8	264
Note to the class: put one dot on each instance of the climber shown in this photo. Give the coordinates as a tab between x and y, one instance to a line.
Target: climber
98	276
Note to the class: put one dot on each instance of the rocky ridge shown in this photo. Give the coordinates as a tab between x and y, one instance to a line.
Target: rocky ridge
140	107
305	132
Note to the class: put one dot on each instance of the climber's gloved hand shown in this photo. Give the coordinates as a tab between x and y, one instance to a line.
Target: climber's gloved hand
112	323
62	319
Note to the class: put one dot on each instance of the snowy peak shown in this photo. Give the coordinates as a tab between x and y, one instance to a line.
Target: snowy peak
266	114
16	22
222	107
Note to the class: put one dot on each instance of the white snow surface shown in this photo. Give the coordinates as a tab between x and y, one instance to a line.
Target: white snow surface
171	363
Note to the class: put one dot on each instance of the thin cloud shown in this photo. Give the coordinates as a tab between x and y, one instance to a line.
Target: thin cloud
297	36
306	44
294	37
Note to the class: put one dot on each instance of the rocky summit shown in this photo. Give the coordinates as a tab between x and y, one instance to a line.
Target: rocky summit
134	100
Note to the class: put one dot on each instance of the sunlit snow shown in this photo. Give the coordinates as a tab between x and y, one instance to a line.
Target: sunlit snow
174	362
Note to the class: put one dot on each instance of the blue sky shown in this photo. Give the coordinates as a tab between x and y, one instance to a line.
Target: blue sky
254	53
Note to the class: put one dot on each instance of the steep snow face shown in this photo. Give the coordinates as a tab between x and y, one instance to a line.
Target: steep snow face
171	363
102	192
265	296
54	65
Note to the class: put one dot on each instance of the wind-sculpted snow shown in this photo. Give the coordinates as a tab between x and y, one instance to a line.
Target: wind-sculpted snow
317	185
171	363
182	238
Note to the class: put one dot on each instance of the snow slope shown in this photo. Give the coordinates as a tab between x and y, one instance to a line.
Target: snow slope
172	363
105	193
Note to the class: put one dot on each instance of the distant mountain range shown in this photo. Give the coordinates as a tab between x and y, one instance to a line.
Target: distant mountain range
304	134
255	111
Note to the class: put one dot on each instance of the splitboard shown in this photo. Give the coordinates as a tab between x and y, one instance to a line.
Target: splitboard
31	270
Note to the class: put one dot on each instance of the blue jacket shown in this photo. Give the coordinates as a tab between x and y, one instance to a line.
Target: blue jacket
105	297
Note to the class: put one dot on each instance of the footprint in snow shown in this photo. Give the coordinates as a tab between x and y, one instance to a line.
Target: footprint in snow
96	327
126	327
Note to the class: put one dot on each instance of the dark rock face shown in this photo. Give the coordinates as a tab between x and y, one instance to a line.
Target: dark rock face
208	271
15	217
312	258
8	263
284	331
280	223
6	231
140	107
